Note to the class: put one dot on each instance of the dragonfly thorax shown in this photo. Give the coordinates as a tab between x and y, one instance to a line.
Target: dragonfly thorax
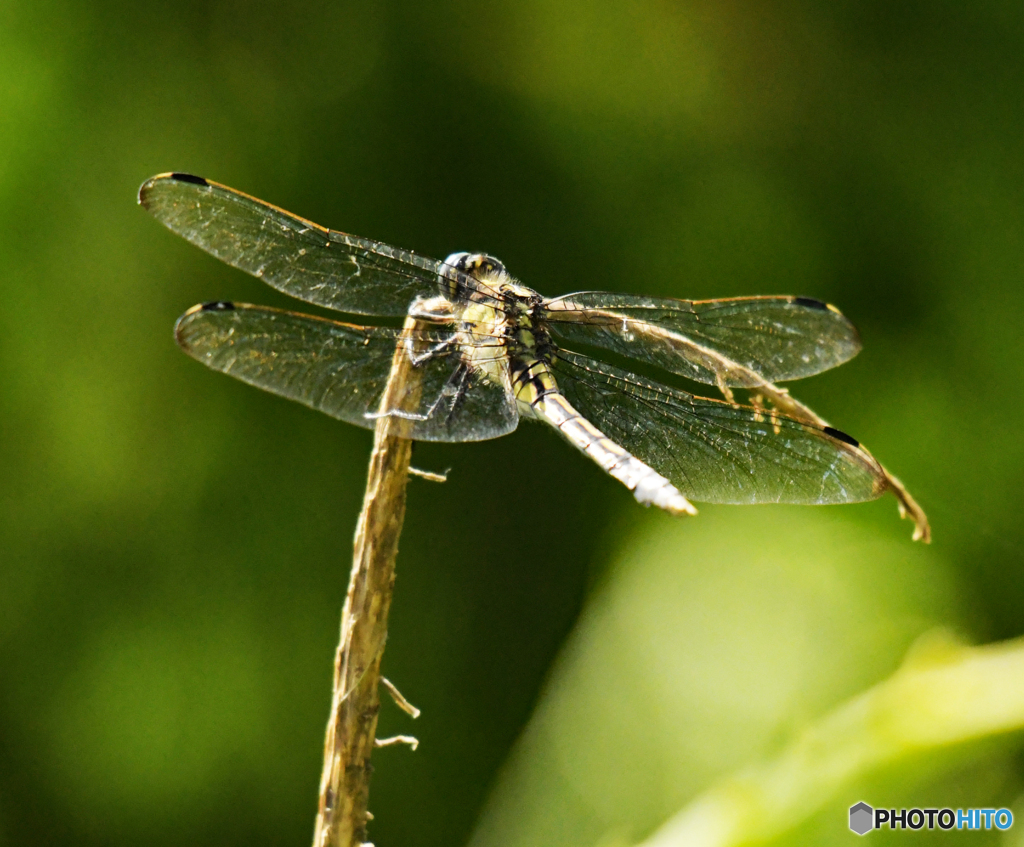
493	311
490	302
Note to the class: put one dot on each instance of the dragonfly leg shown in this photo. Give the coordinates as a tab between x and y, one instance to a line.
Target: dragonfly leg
452	394
442	348
454	391
432	310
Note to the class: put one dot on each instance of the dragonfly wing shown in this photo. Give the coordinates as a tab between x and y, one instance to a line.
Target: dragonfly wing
341	369
717	452
296	256
736	342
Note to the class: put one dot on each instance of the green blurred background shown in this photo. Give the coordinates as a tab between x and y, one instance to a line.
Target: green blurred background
175	545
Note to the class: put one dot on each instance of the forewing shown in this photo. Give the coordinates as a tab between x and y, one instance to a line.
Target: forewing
736	342
341	369
296	256
716	452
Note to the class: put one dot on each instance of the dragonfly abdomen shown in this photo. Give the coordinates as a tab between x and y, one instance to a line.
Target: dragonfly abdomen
537	390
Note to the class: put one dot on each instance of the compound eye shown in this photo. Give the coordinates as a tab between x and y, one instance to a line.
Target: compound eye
447	277
480	264
476	265
456	261
495	267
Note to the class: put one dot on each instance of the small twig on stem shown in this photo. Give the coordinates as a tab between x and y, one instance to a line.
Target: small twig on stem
400	701
411	740
430	476
351	729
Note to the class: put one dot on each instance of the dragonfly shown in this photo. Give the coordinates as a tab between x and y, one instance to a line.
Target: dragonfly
491	351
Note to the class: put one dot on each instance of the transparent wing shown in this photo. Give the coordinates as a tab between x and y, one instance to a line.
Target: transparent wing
718	452
736	342
341	369
291	254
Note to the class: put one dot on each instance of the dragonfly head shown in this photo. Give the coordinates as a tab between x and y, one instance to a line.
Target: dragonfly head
458	266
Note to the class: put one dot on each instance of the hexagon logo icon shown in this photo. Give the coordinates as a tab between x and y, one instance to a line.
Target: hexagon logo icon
862	818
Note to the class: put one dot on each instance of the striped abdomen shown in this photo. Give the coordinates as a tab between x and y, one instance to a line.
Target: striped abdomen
538	397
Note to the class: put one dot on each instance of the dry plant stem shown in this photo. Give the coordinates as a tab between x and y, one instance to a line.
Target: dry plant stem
351	729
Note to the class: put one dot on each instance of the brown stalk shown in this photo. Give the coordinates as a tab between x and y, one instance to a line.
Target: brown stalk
351	729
